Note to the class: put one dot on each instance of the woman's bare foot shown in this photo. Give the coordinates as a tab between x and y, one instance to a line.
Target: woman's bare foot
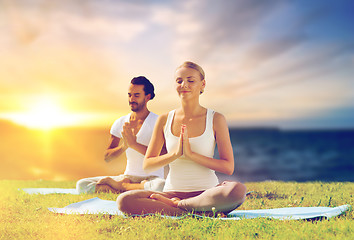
169	201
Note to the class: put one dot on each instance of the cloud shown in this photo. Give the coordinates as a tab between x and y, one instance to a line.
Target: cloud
259	53
249	49
29	21
203	27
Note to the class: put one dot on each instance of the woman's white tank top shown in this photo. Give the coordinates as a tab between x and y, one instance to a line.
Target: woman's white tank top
185	175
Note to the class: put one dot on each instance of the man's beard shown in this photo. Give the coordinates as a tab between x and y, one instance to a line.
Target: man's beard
136	107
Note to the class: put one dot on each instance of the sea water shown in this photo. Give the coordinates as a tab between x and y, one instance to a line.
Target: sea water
292	155
260	154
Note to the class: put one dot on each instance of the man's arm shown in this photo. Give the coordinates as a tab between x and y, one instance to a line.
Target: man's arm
114	150
129	138
139	148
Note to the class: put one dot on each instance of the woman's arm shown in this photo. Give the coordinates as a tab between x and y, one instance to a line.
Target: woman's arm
153	160
226	162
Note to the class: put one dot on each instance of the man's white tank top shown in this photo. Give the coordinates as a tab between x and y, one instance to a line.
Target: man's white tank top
185	175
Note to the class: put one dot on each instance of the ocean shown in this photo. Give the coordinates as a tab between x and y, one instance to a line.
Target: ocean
292	155
261	154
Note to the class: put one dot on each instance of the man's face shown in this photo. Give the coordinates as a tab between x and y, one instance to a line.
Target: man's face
137	97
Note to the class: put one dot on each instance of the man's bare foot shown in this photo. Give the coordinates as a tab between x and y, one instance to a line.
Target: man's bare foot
117	185
169	201
104	180
105	188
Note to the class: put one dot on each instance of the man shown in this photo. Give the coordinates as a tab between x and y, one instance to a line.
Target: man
133	131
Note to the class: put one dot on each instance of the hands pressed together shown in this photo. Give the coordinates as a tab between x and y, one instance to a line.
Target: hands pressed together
184	147
128	135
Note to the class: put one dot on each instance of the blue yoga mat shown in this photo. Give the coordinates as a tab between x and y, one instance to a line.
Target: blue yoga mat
50	190
99	206
57	190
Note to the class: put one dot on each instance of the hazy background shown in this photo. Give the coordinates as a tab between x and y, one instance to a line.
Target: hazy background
65	67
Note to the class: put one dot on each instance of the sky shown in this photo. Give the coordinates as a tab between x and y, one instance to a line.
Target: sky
288	64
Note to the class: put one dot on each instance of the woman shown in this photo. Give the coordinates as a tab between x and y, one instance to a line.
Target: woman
189	133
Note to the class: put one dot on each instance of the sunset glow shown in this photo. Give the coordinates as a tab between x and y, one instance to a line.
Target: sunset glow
45	113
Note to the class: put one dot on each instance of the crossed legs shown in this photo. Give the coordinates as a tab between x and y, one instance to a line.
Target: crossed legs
223	198
140	202
118	184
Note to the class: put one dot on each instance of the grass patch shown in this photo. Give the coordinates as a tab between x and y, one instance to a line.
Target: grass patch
25	216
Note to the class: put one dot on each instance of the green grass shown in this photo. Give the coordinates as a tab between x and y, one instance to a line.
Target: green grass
24	216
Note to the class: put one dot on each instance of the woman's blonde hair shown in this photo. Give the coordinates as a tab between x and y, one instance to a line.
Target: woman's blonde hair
194	66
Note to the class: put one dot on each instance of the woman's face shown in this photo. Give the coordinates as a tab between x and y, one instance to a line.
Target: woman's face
188	82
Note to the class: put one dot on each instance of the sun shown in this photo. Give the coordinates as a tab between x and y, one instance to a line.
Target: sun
45	113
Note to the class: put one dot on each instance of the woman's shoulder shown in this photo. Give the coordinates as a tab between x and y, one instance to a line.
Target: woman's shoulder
219	119
218	116
162	119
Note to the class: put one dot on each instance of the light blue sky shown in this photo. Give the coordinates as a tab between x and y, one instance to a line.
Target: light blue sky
268	63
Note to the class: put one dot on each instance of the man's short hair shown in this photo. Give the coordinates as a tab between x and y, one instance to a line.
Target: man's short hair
148	87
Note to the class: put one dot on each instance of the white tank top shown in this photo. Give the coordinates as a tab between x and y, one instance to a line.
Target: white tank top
186	175
134	158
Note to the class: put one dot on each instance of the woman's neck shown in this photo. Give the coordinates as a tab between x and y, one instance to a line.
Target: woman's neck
191	108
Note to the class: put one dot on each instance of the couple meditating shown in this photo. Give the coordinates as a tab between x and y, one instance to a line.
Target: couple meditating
183	139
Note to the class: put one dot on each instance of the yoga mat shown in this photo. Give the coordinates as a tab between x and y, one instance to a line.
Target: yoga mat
99	206
50	190
90	206
58	190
